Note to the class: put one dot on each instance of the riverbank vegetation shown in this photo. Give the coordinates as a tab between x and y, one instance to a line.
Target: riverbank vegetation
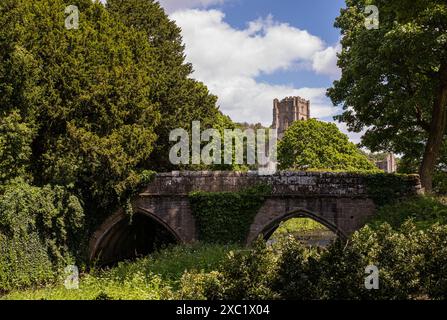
411	263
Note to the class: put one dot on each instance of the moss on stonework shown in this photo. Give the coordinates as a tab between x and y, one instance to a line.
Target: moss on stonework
386	188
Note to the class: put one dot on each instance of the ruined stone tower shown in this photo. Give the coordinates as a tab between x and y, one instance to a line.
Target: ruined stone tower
287	111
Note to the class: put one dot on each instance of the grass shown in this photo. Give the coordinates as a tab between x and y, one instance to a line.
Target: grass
150	278
299	225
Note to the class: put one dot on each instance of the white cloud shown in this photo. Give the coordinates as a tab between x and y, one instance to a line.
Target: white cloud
246	100
228	61
219	51
325	62
174	5
353	136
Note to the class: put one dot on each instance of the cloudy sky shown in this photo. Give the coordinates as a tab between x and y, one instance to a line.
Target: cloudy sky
249	52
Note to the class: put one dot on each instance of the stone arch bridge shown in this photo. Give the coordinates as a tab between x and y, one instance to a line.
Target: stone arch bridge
337	200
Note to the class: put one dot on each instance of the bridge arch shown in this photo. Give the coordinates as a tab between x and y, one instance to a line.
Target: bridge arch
328	211
122	237
268	230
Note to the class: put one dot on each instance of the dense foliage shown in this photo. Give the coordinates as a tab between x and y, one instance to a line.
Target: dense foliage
225	217
409	268
84	118
153	277
40	233
394	78
386	188
314	144
92	104
424	212
299	225
180	100
440	183
412	265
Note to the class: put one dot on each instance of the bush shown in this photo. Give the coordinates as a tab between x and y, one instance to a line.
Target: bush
295	277
201	286
157	276
440	183
40	229
424	211
244	275
387	188
412	265
397	254
434	270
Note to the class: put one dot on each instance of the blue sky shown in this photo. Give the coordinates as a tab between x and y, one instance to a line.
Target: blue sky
316	16
249	52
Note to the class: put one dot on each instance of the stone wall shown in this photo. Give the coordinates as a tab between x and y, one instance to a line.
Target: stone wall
299	184
339	201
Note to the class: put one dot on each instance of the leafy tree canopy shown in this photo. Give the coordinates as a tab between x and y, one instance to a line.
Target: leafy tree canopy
180	100
92	108
319	145
394	78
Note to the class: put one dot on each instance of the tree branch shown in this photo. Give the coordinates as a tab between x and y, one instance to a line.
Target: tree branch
420	121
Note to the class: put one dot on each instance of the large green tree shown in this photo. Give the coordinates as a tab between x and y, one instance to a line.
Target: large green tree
394	78
179	98
93	107
319	145
85	94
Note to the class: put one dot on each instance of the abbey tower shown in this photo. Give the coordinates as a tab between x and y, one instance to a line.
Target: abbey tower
287	111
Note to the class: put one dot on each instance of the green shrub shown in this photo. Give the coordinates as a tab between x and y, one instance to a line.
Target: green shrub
201	286
296	271
23	262
40	229
434	270
149	278
314	144
248	275
225	217
243	275
440	183
386	188
424	211
397	254
338	274
412	264
172	262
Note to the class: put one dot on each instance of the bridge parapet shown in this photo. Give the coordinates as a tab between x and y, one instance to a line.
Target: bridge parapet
283	183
